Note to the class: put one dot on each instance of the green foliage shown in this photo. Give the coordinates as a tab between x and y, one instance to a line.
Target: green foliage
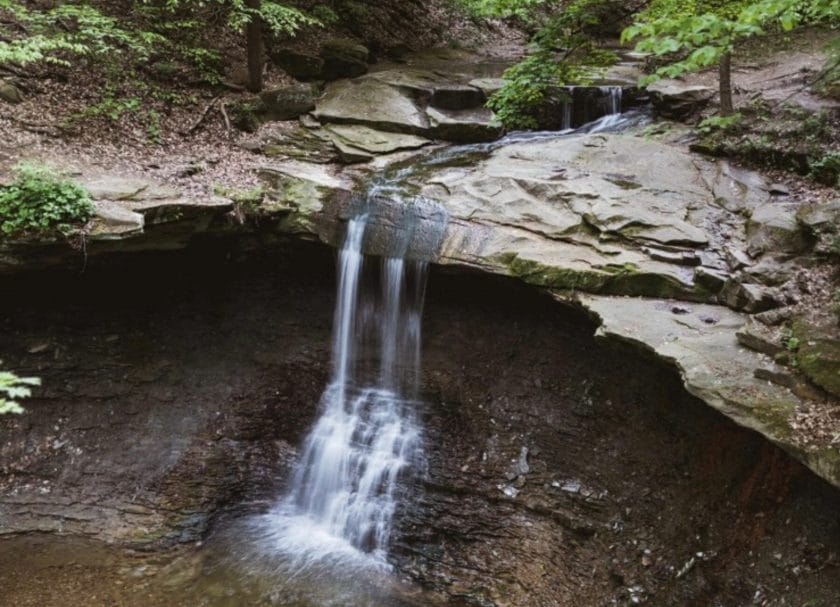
826	170
13	388
538	78
69	29
501	8
723	123
38	201
528	84
695	34
324	14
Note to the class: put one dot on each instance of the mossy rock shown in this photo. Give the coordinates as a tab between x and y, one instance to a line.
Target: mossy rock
343	58
819	355
283	103
299	66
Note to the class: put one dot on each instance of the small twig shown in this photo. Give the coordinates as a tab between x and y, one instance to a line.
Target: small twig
223	109
203	115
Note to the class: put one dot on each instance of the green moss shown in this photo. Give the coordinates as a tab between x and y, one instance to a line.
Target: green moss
608	280
818	356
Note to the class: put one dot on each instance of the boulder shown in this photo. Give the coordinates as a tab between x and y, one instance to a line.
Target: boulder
286	102
773	227
822	222
677	100
283	103
10	93
343	58
300	66
819	354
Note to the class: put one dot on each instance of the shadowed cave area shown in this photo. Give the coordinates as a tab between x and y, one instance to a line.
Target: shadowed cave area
559	469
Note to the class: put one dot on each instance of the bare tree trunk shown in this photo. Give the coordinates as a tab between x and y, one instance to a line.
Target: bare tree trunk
254	39
726	108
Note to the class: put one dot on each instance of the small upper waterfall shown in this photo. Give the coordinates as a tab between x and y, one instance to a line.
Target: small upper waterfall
343	494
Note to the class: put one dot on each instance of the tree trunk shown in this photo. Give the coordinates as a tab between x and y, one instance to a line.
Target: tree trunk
254	39
726	108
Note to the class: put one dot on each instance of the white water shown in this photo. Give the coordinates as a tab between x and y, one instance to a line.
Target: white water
344	492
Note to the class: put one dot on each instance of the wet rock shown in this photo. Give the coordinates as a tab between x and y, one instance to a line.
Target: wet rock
677	100
343	58
300	66
10	93
773	227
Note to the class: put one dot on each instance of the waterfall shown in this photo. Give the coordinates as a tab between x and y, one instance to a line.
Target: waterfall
343	494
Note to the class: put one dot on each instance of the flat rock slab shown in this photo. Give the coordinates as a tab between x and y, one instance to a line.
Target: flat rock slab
401	101
556	212
370	102
373	141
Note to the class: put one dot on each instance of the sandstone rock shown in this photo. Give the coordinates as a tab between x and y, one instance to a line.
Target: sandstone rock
714	367
822	221
758	337
747	297
373	141
772	227
300	66
819	354
311	145
113	221
464	126
372	103
286	103
457	97
488	86
674	99
283	103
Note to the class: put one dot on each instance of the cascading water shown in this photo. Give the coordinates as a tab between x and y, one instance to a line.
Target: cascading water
344	492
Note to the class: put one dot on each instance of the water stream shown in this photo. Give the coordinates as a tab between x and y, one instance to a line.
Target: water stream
343	494
344	491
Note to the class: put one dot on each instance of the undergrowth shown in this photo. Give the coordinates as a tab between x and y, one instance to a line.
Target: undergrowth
40	201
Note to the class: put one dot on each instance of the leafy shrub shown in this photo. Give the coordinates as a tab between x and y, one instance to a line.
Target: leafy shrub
40	201
12	388
827	169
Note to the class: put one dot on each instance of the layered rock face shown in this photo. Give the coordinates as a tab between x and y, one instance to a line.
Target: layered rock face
593	218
